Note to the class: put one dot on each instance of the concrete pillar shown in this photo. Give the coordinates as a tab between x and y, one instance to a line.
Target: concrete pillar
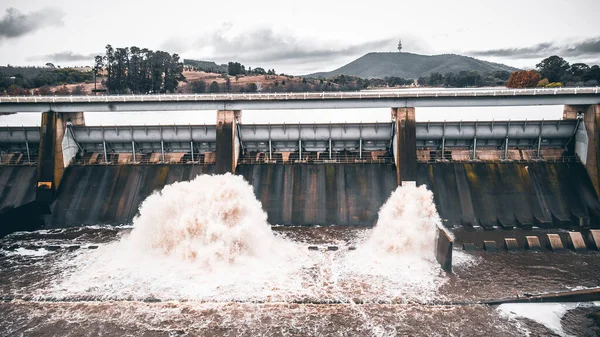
443	250
571	111
591	120
227	141
590	156
54	155
405	144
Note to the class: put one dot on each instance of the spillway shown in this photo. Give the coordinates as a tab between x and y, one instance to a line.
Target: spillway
363	224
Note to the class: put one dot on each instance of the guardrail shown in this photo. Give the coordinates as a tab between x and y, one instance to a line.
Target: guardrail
252	161
141	161
388	94
565	159
16	161
346	160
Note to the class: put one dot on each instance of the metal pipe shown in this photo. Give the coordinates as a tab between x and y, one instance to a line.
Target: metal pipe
192	149
443	147
105	155
474	148
270	150
28	156
329	148
360	148
506	149
133	150
539	146
300	147
162	144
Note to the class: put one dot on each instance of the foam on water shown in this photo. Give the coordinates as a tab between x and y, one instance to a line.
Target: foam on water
209	239
400	251
193	240
548	314
30	252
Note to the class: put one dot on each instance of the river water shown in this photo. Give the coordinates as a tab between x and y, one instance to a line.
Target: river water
201	259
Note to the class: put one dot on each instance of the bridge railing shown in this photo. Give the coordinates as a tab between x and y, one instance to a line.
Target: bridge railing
18	160
387	94
563	159
341	160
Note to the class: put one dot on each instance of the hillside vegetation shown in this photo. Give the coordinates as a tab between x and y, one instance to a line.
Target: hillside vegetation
408	65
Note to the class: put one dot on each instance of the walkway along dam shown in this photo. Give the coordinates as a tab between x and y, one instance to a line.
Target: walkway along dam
496	184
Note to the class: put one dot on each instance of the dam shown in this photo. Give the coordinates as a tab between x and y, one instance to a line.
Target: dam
488	177
240	228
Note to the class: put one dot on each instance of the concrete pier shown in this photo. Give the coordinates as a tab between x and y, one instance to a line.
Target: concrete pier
591	118
588	143
227	141
405	144
54	153
443	250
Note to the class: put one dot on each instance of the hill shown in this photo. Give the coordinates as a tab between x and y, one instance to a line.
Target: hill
408	65
207	66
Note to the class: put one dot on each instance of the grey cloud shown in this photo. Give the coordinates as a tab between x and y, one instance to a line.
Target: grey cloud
15	24
264	45
589	47
65	56
528	52
586	48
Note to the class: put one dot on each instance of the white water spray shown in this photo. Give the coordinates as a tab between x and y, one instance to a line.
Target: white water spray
211	221
407	224
205	239
209	239
396	261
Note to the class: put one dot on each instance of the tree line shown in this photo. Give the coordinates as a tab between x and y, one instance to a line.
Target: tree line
464	79
138	70
555	71
20	80
288	83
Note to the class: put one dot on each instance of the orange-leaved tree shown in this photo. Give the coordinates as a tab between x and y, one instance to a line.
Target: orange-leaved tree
524	79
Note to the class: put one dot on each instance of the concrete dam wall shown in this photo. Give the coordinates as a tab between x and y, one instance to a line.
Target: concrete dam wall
112	194
512	195
321	194
17	185
341	194
471	195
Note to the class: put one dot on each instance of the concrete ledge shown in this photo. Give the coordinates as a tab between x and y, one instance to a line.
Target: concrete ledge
555	243
469	247
533	243
443	251
594	239
585	295
575	242
490	246
511	244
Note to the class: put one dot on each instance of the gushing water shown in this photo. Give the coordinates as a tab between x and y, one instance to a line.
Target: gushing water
211	221
204	239
209	239
398	256
407	224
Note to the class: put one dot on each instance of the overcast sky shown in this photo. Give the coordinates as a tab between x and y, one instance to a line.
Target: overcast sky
300	37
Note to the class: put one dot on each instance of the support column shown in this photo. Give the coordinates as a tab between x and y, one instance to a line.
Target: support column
55	152
227	141
405	144
571	111
591	121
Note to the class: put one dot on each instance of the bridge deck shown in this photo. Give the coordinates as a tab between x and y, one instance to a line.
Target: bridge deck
309	100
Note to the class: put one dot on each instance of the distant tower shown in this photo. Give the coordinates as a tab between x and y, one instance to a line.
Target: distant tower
400	45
